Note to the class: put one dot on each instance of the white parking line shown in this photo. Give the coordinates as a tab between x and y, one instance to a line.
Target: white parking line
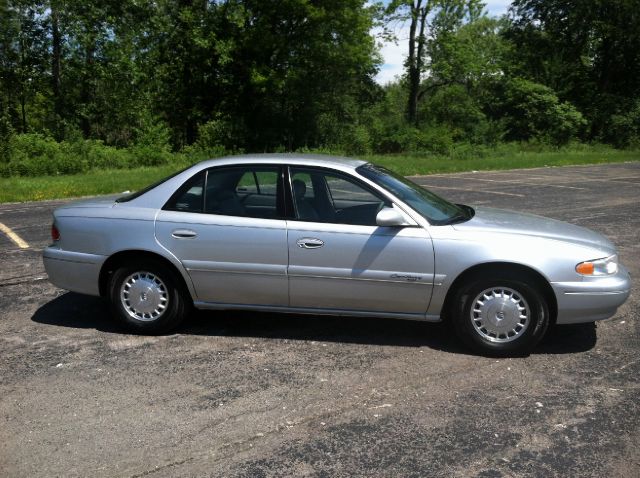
21	243
430	186
525	183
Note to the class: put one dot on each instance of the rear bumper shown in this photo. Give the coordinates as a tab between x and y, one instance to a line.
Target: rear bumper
74	271
591	299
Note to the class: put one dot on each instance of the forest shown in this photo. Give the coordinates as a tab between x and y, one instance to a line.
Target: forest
124	83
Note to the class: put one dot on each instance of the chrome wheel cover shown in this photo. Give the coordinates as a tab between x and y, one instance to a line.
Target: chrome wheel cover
144	296
500	314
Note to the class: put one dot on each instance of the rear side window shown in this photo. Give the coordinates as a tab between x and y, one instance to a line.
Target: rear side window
247	191
242	191
190	196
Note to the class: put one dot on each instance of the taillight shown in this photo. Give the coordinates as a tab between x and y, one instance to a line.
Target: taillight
55	234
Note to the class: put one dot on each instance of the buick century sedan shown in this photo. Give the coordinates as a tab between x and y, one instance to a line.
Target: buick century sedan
311	234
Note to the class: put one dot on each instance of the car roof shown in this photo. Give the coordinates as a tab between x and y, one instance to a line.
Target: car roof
158	195
285	158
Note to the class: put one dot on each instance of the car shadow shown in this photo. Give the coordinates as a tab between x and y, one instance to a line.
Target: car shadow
77	311
81	311
568	339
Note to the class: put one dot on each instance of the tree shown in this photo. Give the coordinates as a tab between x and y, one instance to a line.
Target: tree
22	43
6	135
534	111
587	51
426	19
56	61
300	70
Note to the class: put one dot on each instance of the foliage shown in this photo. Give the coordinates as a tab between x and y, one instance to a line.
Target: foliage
356	140
216	134
428	19
119	84
587	51
457	111
535	112
6	137
125	71
34	154
623	129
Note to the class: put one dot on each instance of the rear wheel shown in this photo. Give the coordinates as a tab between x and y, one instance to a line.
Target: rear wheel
147	298
500	317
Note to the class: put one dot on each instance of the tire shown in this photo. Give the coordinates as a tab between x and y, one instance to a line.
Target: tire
147	298
500	317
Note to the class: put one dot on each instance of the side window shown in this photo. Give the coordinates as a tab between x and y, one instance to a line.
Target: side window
189	197
247	184
267	182
248	191
323	196
305	178
345	193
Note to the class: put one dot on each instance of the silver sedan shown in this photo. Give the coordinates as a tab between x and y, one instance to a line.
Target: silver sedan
325	235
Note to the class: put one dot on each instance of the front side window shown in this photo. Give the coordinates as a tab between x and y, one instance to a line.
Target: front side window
325	196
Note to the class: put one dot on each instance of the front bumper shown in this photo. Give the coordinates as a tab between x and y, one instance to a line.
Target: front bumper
594	298
74	271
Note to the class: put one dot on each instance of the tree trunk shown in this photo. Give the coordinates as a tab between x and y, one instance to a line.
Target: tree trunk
412	67
85	92
23	112
55	68
23	93
415	63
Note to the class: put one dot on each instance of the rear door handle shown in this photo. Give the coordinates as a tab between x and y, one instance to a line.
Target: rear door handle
310	243
184	233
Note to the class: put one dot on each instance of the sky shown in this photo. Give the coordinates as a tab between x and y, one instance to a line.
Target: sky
394	54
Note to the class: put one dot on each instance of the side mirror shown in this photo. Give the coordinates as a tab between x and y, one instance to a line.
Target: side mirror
389	217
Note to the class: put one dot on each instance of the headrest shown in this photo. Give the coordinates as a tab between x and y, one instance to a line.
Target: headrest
299	188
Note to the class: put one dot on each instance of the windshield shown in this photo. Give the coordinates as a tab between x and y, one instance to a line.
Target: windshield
435	209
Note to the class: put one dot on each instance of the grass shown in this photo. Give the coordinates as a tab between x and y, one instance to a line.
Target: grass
93	183
18	189
409	165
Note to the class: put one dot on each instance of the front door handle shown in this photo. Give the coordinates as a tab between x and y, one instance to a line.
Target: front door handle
184	233
310	243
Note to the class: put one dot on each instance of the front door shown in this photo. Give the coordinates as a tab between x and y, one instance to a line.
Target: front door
340	259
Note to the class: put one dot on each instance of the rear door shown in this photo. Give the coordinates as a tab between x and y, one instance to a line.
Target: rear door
226	226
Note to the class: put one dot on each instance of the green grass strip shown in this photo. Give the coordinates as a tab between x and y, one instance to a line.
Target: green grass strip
19	189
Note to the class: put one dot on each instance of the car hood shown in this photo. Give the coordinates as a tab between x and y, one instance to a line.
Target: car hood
488	219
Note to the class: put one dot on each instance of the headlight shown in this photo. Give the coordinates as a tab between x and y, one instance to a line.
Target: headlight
599	267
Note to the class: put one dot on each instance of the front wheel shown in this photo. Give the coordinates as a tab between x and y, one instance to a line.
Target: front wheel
147	298
500	317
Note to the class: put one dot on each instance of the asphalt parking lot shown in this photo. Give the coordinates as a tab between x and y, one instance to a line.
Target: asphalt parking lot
252	395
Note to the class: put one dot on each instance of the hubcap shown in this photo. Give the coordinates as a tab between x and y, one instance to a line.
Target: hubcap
144	296
500	314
